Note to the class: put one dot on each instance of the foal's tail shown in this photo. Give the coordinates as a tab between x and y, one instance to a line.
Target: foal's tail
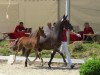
14	47
16	41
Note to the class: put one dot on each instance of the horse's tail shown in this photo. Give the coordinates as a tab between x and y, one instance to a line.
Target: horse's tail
15	45
16	41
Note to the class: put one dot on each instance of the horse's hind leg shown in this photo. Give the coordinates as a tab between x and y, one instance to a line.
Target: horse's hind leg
62	56
15	57
26	55
52	56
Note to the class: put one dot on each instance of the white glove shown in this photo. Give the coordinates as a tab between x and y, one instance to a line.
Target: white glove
78	35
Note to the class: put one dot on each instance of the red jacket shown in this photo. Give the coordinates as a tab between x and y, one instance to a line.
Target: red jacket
63	35
19	28
73	37
88	30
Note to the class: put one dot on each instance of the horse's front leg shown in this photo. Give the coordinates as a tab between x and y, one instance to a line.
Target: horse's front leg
35	59
62	56
30	63
52	56
37	56
40	57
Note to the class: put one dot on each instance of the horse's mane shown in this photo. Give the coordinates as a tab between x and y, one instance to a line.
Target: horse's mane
33	33
62	23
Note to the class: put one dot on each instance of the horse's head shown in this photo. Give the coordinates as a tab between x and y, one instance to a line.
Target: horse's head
41	32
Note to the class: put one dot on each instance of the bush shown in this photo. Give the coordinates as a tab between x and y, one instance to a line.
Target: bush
4	43
91	67
4	48
78	46
5	52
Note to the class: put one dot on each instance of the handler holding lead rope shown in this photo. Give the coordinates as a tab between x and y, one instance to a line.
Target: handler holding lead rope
65	28
64	46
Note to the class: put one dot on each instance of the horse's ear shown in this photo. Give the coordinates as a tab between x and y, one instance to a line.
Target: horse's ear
66	16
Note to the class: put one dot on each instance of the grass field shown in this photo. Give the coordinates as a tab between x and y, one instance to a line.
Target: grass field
77	50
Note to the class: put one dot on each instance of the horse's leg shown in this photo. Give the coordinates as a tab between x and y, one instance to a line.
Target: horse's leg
35	58
26	61
23	51
62	56
40	57
15	57
17	50
26	55
52	56
30	63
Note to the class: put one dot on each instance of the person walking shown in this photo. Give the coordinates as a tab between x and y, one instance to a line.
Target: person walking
64	46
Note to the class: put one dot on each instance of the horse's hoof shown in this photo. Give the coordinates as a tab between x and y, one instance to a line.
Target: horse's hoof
65	64
72	66
12	63
25	65
30	63
49	65
41	65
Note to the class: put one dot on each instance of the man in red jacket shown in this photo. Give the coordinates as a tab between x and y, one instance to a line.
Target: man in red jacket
18	32
88	30
64	46
20	27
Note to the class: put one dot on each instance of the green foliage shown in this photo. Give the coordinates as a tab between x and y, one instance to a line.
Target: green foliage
79	47
77	50
4	43
4	49
91	67
5	52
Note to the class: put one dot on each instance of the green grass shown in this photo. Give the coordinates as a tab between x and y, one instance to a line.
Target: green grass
77	50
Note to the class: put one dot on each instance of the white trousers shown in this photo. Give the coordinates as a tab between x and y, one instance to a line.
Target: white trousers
64	49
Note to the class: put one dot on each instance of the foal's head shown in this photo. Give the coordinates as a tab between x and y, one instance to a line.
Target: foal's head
41	32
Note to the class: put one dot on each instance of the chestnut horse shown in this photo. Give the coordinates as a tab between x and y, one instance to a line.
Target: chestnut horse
26	44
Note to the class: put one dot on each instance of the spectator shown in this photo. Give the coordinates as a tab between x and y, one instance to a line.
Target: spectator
18	32
88	30
20	28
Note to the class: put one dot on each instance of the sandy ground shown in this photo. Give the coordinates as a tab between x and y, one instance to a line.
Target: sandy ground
19	69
